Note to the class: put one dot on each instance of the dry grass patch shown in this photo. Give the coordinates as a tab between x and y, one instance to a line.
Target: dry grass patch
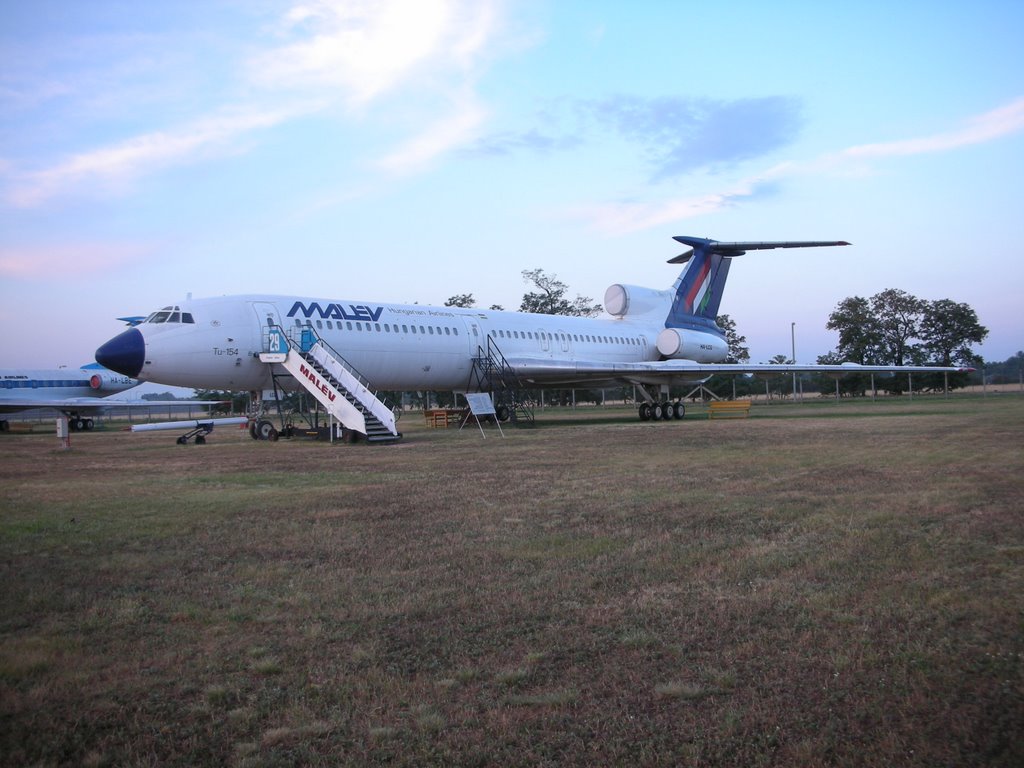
816	585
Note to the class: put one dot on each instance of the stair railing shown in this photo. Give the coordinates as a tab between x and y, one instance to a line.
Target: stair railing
308	338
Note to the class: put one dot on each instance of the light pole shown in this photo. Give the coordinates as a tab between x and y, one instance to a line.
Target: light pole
792	338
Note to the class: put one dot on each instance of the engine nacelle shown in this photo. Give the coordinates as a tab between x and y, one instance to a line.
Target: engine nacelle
621	300
105	381
683	344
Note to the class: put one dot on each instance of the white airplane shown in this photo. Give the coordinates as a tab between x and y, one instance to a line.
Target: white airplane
76	392
80	394
649	338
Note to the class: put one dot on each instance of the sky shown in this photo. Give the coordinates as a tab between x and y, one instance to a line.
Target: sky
410	151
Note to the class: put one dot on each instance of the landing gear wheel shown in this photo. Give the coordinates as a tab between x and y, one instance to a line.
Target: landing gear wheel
666	411
200	440
657	411
645	411
264	430
502	412
182	440
78	425
88	424
678	410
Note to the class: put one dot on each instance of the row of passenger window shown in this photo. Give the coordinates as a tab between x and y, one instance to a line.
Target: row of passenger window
576	337
429	330
439	330
43	383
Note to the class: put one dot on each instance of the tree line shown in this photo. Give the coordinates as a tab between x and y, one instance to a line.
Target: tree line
547	298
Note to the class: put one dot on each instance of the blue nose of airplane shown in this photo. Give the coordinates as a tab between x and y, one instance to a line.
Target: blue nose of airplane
124	353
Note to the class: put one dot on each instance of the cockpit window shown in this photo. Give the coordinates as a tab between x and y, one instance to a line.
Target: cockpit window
170	315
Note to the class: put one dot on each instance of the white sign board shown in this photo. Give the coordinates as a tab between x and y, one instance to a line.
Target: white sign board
480	403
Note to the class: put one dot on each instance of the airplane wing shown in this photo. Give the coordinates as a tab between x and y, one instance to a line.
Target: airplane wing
591	372
91	405
79	404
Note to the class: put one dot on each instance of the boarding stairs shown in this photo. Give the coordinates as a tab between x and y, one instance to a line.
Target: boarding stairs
492	373
336	385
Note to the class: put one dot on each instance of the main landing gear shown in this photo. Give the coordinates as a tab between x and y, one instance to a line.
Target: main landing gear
663	411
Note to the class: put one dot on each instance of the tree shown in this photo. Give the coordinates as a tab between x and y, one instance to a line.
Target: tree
466	300
948	329
728	385
878	331
858	332
1010	370
850	384
231	402
738	352
897	317
896	328
461	300
549	298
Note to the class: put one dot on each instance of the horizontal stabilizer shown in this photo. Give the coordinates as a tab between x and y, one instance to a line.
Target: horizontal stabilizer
739	248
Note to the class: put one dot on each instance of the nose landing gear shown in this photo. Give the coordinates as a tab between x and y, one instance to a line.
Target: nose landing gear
263	430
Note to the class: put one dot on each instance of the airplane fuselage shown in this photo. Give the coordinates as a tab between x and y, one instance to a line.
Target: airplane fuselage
28	386
394	346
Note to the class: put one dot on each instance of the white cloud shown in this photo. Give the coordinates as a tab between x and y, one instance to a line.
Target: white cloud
1000	122
355	51
442	136
368	48
122	162
428	50
621	218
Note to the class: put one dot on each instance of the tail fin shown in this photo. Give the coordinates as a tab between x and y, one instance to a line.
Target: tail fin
698	291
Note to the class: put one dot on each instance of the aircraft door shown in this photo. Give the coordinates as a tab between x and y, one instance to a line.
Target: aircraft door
266	315
564	339
474	334
266	311
545	340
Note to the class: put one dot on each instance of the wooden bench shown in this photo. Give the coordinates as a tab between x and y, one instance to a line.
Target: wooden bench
443	417
728	409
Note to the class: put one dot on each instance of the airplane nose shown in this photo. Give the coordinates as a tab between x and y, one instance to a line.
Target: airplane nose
124	353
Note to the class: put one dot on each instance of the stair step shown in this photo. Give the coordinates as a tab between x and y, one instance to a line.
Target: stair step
319	351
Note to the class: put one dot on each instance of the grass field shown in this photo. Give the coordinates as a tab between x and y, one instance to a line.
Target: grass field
817	585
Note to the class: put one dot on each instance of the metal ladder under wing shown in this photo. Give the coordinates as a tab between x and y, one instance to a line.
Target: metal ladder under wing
334	383
492	373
